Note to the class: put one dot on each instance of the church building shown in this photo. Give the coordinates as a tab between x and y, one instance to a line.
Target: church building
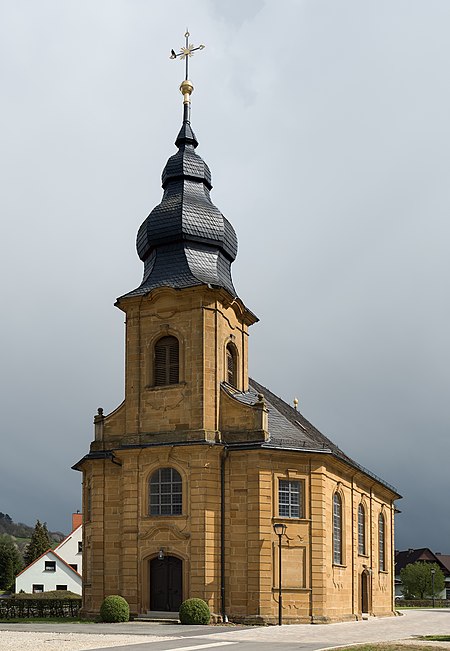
202	479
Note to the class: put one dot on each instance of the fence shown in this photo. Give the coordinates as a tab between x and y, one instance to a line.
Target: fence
23	608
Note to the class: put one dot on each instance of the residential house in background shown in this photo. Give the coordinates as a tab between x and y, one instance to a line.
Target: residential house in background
56	569
424	555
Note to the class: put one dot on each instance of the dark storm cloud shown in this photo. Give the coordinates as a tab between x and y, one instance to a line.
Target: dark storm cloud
326	128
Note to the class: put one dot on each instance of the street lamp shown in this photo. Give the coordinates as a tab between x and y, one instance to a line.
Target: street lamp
280	530
433	572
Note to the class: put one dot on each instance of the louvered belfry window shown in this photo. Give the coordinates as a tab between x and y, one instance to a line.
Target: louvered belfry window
231	365
167	353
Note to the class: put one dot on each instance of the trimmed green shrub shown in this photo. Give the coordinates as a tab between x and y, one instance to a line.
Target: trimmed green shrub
114	609
194	611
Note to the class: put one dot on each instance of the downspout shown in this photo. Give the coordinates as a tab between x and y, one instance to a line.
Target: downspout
353	548
392	563
223	459
371	551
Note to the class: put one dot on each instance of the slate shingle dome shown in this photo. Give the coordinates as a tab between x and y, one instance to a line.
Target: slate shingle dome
185	240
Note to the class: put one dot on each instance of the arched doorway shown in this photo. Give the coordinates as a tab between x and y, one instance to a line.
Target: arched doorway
166	584
365	592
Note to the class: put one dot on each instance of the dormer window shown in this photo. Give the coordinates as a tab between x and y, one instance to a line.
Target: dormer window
167	361
231	371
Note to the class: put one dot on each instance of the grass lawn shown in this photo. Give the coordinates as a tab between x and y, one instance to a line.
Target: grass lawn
393	646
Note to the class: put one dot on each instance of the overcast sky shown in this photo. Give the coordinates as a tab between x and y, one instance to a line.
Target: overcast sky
326	127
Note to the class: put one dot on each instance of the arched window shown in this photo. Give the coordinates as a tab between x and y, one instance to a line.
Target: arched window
231	365
381	544
166	492
166	361
361	530
337	529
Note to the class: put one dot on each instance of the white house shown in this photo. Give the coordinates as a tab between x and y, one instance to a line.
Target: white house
56	569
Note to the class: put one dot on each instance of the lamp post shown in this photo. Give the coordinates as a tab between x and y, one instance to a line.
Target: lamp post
433	572
280	530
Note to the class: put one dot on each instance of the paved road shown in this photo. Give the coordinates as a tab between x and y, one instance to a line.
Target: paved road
286	638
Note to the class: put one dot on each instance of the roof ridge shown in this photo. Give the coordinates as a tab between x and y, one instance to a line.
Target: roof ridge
48	551
294	417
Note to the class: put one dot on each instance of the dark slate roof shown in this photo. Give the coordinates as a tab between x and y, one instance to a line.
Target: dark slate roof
425	555
445	560
185	240
289	430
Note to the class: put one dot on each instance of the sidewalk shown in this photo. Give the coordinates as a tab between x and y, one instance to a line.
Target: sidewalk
386	629
312	637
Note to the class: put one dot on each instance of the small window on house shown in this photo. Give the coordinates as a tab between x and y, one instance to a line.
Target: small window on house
80	547
381	544
337	529
50	566
290	499
361	530
74	566
166	370
231	374
166	492
61	587
37	587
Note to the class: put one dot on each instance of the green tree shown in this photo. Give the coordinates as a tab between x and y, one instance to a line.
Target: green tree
417	582
39	543
10	562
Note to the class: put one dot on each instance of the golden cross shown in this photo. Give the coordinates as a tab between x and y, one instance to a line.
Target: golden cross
186	52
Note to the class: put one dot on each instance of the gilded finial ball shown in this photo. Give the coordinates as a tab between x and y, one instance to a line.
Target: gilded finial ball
295	403
186	87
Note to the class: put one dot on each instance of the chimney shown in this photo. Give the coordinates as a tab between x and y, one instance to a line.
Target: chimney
77	519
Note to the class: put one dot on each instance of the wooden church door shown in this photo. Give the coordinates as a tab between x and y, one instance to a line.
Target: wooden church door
166	593
365	592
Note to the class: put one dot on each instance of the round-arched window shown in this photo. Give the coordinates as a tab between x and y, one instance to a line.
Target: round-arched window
167	366
381	544
337	529
231	370
361	530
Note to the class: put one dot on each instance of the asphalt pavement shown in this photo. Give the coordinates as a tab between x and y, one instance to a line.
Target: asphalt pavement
304	637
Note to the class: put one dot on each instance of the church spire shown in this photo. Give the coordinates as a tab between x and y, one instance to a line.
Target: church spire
185	240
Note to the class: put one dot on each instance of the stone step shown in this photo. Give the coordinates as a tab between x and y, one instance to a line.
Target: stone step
158	617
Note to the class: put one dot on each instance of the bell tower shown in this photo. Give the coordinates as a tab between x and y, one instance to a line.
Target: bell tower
186	328
154	477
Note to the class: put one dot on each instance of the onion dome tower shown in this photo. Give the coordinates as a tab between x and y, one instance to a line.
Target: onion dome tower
185	240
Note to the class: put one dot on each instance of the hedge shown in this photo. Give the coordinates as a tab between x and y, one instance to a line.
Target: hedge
422	603
24	606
